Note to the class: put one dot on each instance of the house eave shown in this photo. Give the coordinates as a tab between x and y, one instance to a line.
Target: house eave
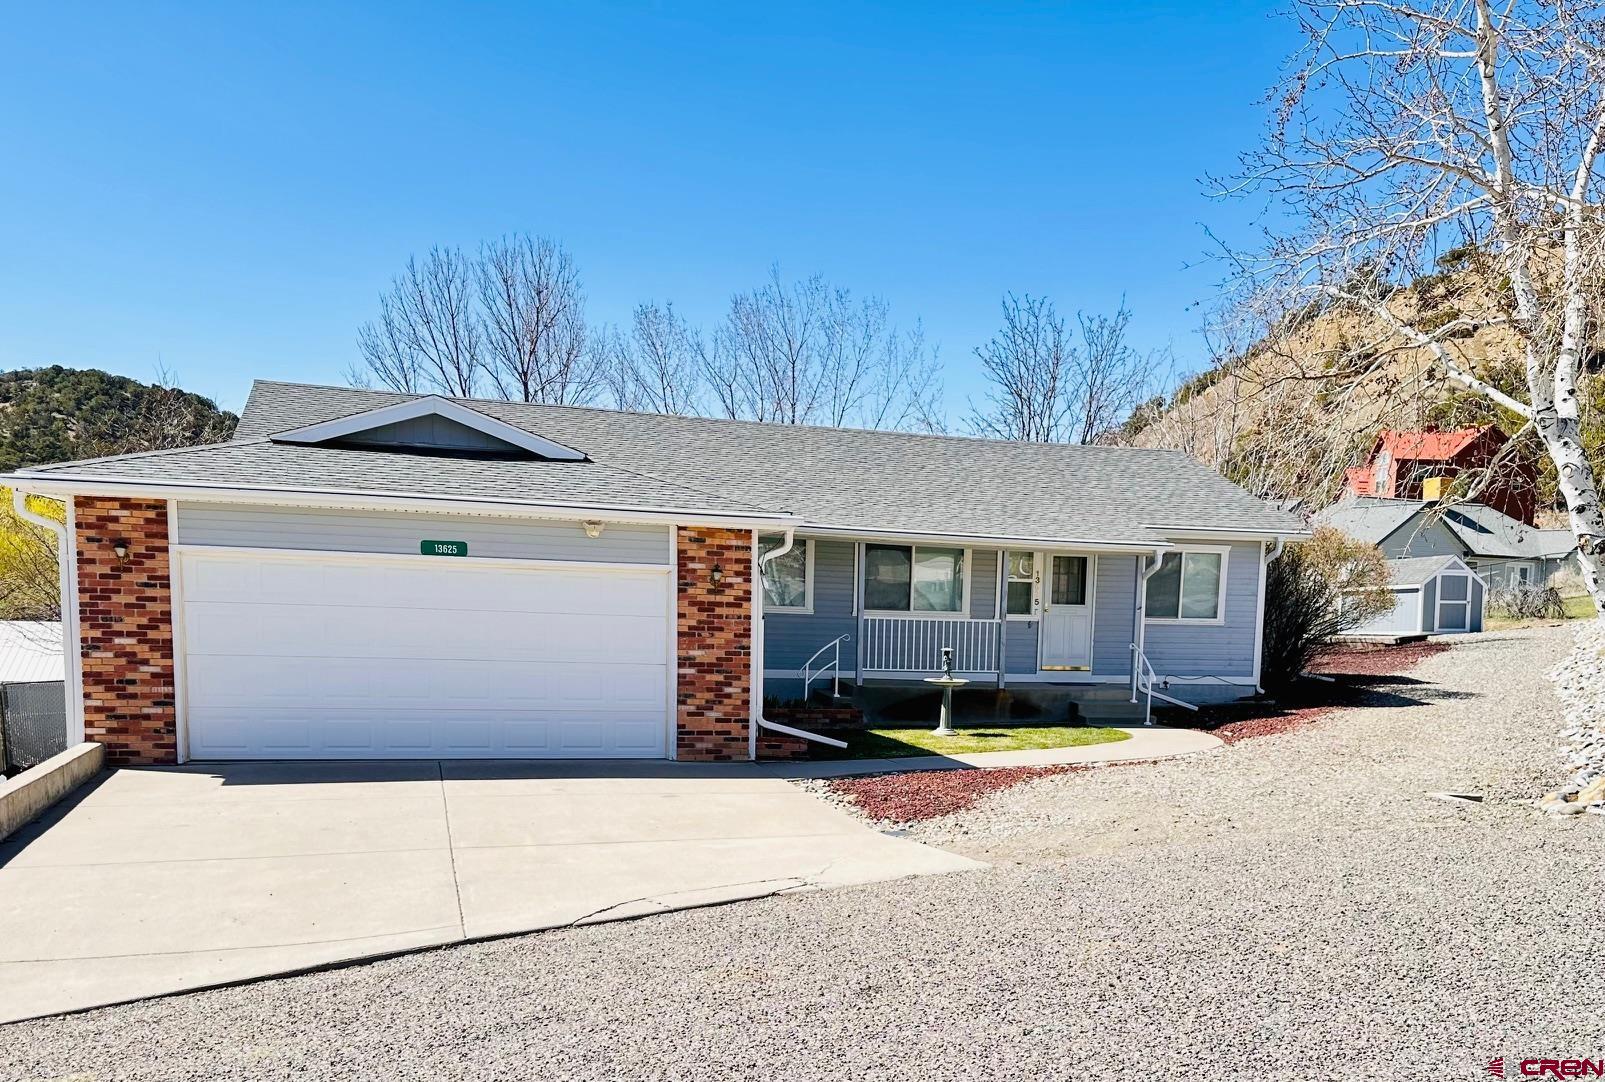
64	486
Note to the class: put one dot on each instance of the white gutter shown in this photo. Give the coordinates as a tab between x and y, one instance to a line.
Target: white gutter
63	486
1259	615
72	662
1140	617
804	734
1001	540
758	720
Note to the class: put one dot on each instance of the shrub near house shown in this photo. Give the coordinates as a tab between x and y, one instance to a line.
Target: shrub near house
1318	589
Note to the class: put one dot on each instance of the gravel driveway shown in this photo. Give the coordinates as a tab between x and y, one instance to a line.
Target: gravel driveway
1290	908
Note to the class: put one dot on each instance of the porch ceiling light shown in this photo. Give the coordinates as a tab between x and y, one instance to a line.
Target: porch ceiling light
593	528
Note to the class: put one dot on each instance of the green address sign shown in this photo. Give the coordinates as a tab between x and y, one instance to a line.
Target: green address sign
443	548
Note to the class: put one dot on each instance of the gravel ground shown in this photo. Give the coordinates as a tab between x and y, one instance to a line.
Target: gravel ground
1290	908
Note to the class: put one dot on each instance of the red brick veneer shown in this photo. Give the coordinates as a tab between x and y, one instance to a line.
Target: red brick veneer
714	626
125	614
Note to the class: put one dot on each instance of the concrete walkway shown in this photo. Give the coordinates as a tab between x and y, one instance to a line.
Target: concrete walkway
1144	744
165	880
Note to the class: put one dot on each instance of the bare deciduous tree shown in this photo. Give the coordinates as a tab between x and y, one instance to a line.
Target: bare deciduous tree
533	314
427	338
1403	132
809	353
1046	388
656	366
511	317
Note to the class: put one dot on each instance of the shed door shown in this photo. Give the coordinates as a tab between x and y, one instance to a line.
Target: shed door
336	656
1454	602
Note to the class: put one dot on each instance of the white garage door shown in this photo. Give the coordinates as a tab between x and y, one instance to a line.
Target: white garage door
330	656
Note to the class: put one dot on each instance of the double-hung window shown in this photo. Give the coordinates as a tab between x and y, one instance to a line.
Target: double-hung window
1189	586
913	578
787	579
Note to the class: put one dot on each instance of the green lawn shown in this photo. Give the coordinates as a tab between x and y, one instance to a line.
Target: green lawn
901	743
1575	608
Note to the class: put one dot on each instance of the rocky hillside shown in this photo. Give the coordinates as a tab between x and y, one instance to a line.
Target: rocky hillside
54	414
1286	417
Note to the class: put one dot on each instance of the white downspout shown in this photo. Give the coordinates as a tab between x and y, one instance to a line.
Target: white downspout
758	720
72	663
1259	616
1140	617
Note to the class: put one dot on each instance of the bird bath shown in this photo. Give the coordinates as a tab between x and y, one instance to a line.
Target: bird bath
947	682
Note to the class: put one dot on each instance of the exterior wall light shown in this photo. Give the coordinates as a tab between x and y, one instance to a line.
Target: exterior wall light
717	574
120	549
593	528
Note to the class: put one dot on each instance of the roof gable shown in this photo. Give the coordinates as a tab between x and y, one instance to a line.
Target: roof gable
429	423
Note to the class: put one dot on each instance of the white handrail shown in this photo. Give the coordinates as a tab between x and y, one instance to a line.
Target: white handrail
834	646
1146	679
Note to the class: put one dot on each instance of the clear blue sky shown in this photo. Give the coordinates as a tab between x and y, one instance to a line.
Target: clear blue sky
226	189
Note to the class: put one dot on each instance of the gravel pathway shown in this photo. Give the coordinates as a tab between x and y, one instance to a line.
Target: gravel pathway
1291	908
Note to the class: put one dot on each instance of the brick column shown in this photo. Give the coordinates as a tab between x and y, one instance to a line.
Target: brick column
714	625
125	615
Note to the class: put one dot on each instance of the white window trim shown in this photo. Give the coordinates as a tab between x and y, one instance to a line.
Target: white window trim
960	613
1219	619
807	607
1036	586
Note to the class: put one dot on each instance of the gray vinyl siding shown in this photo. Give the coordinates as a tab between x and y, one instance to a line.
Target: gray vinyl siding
429	431
1114	615
983	584
790	638
1020	646
1225	649
399	532
1429	605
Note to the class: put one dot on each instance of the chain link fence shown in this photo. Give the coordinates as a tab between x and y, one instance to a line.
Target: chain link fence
33	724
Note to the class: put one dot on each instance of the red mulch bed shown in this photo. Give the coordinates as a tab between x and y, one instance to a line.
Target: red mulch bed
1355	668
905	798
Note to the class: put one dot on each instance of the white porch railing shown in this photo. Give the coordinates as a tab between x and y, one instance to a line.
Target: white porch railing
914	643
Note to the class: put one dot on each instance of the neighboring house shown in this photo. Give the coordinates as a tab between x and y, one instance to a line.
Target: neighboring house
360	574
1433	595
30	652
1498	548
1421	465
32	696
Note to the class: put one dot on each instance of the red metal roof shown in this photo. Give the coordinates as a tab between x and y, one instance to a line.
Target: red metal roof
1429	446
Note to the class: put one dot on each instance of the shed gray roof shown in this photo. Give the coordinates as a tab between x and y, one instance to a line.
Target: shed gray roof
1416	570
851	479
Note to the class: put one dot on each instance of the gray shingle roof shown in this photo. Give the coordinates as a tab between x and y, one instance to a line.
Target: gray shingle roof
1415	570
1483	530
845	478
1366	519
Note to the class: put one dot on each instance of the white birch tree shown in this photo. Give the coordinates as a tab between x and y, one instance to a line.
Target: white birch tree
1403	131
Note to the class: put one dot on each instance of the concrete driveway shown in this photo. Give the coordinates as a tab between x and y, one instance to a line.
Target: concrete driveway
164	880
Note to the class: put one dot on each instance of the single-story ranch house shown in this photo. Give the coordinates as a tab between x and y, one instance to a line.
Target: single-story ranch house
360	574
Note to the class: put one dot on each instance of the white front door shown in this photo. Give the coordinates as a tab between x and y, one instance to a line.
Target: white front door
318	655
1067	614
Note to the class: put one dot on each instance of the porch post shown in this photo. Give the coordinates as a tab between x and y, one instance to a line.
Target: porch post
858	611
1001	610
